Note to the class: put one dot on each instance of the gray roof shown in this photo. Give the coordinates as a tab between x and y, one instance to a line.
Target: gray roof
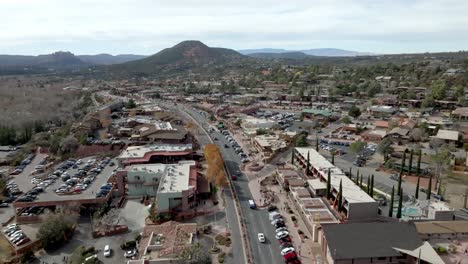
370	240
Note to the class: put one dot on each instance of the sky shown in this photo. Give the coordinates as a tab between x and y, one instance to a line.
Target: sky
31	27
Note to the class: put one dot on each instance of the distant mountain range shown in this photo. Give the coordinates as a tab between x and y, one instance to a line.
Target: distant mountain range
326	52
190	55
64	60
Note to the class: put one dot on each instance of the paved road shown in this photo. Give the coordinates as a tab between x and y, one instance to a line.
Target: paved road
230	210
256	220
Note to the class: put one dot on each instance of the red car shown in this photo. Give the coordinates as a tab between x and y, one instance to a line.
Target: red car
290	256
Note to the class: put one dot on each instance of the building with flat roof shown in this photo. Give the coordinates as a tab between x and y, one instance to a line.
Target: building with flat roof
377	242
442	229
174	185
164	153
357	204
269	145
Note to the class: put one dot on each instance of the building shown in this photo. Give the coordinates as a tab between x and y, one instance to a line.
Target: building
317	114
163	243
448	136
144	179
357	204
283	176
461	113
162	153
377	242
177	190
250	124
442	229
382	110
269	145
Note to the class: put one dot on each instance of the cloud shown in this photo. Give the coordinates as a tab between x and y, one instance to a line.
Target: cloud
145	26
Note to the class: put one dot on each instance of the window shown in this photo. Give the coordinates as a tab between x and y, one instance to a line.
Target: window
155	179
382	258
137	178
138	186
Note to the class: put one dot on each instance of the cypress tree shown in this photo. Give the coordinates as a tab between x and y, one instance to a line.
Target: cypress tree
357	177
410	165
292	156
416	194
400	204
368	185
399	183
390	210
418	167
360	183
372	186
403	162
333	158
350	174
439	191
340	197
308	163
429	188
329	184
317	144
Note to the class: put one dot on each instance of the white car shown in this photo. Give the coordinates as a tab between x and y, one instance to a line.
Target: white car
261	238
287	250
130	253
282	234
281	229
107	251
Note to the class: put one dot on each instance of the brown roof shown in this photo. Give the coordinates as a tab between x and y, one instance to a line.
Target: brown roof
381	124
294	182
442	227
302	192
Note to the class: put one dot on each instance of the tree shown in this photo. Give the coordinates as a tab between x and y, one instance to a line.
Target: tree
55	231
438	90
292	155
410	165
308	163
440	161
400	204
416	194
418	168
357	176
340	196
194	254
316	144
399	182
429	188
357	146
360	183
346	120
328	191
354	111
69	144
371	193
261	131
301	140
215	171
333	153
385	148
131	104
392	197
350	173
403	162
368	185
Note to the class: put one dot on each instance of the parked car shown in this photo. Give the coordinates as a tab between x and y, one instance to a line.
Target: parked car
282	234
287	250
107	251
130	253
272	208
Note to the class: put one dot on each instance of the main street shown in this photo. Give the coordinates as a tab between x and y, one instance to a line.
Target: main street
231	213
255	220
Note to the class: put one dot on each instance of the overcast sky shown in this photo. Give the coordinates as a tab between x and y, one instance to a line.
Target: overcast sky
147	26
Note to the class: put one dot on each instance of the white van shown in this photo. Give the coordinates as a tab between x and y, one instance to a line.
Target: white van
252	204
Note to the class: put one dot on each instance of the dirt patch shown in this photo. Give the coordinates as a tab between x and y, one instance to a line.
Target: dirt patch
5	250
223	240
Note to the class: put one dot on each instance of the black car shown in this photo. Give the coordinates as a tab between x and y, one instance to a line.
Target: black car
279	224
272	208
226	146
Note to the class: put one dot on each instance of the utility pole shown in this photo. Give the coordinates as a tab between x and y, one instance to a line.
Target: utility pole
466	198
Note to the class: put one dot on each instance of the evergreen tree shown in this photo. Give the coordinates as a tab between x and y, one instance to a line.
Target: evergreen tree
317	144
372	186
350	174
418	168
400	204
390	210
368	185
399	183
333	157
439	188
360	183
357	177
329	184
308	163
410	165
340	197
403	162
416	194
292	155
429	188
